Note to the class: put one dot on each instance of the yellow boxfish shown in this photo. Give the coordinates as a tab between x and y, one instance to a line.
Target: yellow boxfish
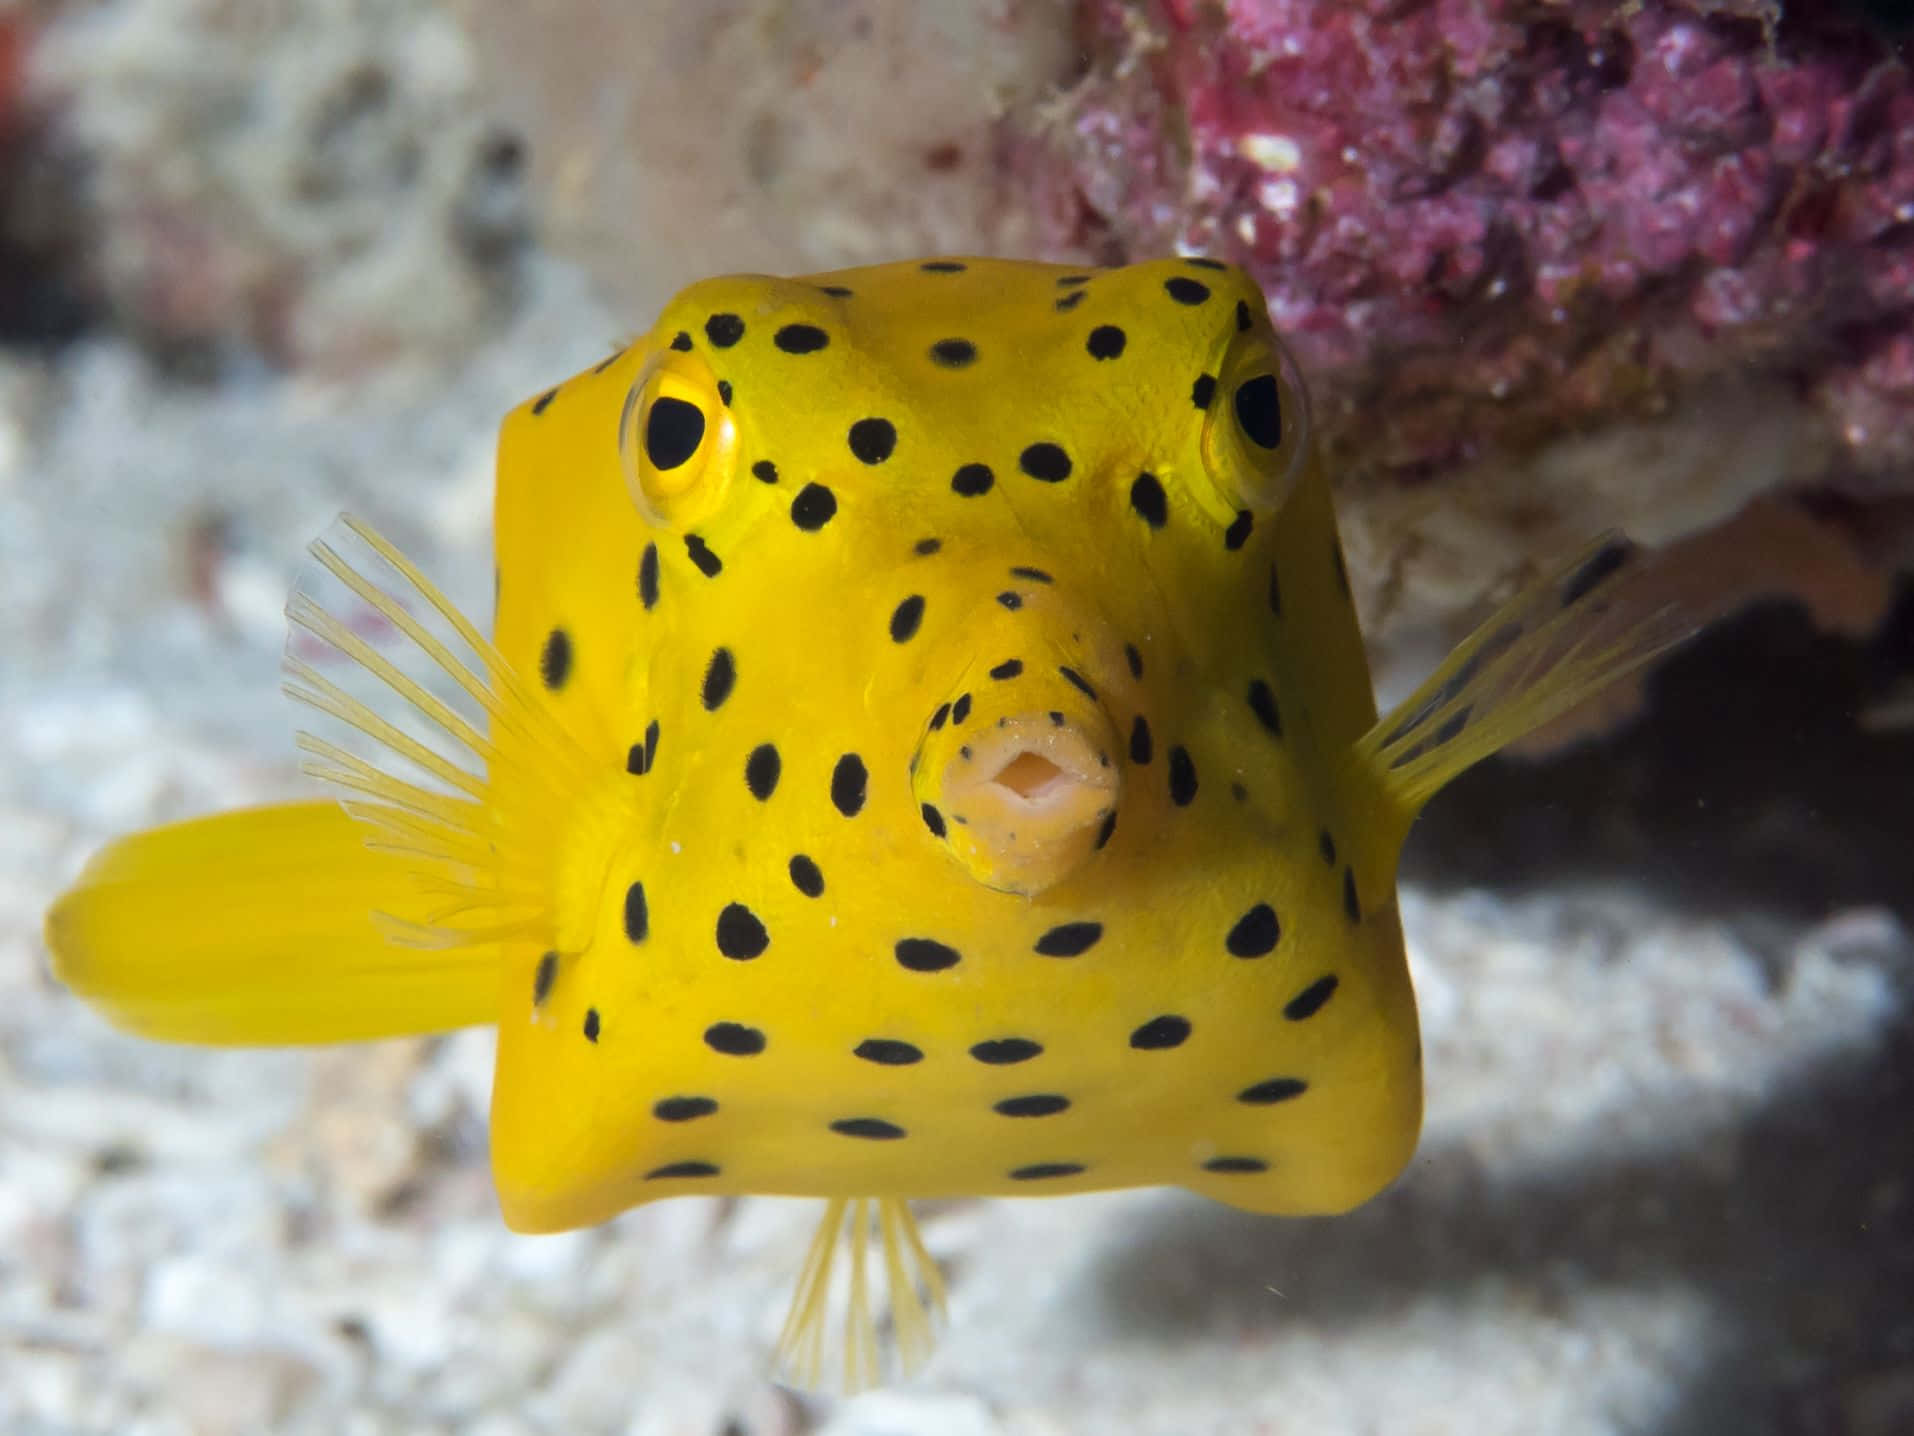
926	749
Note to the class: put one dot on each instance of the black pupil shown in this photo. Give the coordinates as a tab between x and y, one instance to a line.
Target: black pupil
1260	411
674	429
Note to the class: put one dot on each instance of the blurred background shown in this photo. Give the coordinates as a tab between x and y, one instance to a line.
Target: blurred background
1551	268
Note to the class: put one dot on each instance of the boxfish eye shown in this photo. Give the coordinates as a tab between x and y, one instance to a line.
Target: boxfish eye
1256	428
675	439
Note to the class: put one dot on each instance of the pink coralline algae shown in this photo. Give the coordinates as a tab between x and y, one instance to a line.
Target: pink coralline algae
1481	221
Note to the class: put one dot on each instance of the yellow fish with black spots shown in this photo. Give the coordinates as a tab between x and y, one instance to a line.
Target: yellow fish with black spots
926	749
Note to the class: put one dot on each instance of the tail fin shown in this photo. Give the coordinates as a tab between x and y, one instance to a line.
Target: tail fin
259	927
1551	647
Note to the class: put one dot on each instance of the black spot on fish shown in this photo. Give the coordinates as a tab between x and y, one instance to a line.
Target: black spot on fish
1070	939
724	330
953	353
800	339
1035	575
1235	1164
761	771
1077	681
683	1109
923	954
1326	845
873	440
720	675
1009	668
906	617
1276	1089
1070	301
741	935
1010	600
1072	281
681	341
1148	499
848	782
973	480
591	1024
543	978
1134	659
648	576
925	547
1200	262
1203	390
707	562
724	392
555	659
940	717
1263	704
836	291
1160	1032
806	877
888	1052
734	1039
1037	1104
960	710
543	401
875	1129
1243	320
765	471
1256	932
1108	830
1141	748
1310	1000
1045	461
681	1169
933	819
1237	534
1351	904
942	266
1106	341
1182	777
1006	1051
1039	1171
814	507
1186	291
637	914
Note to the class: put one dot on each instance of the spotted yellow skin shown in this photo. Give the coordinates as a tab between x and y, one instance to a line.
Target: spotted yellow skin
613	1027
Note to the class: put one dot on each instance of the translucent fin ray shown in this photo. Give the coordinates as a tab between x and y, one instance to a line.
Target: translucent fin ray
450	761
836	1336
1554	645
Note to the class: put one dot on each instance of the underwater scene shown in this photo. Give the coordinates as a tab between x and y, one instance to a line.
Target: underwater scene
843	718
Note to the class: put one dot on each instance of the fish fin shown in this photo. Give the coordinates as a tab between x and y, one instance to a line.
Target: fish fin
256	927
447	756
1555	644
872	1350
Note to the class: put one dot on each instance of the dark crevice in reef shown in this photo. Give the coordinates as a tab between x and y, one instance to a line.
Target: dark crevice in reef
1750	788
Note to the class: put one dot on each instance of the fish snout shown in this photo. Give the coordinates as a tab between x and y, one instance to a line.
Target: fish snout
1020	778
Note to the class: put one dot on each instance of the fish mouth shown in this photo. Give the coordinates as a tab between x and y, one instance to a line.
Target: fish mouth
1023	790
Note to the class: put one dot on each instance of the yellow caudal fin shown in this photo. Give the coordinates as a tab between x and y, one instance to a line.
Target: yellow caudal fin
259	927
870	1350
1554	645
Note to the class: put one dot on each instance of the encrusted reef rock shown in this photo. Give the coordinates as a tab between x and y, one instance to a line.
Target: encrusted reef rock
1550	266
